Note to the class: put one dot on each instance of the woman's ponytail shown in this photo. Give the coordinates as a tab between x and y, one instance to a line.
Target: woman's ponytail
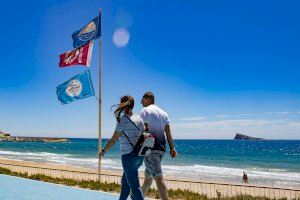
127	103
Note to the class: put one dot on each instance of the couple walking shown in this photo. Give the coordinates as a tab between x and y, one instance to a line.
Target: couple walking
129	129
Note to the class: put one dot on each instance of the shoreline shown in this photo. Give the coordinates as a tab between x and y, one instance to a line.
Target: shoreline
67	173
63	167
117	172
184	175
274	165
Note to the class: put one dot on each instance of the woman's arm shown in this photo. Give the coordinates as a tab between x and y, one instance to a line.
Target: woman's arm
110	143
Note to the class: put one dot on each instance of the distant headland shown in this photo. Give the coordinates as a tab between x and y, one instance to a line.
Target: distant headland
6	137
239	136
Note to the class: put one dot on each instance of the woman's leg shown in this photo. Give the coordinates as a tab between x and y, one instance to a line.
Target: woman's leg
130	166
125	188
139	162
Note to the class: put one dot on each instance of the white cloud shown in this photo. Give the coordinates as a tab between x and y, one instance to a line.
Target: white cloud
223	116
278	113
192	118
234	115
224	123
80	133
225	129
294	124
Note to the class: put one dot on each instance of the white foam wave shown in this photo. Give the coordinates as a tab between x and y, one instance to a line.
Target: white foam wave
257	175
30	153
66	159
201	172
229	172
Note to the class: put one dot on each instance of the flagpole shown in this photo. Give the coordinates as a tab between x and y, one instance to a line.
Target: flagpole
100	98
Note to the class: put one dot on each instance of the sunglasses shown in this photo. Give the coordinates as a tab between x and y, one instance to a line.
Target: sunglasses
143	99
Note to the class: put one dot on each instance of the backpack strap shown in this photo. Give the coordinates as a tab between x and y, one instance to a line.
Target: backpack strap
128	138
126	134
133	123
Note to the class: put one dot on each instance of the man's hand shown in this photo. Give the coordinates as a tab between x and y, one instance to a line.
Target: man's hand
173	153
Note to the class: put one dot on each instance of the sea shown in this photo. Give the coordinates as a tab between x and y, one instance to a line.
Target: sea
273	163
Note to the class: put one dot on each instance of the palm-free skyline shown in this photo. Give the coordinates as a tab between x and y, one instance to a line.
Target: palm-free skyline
217	68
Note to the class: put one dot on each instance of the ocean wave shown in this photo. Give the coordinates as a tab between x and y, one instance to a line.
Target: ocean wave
67	159
273	177
30	153
231	172
202	172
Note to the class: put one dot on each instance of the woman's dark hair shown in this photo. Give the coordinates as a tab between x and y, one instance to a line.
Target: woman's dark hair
127	102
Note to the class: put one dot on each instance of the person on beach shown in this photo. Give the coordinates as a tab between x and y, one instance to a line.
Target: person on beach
245	178
156	123
129	128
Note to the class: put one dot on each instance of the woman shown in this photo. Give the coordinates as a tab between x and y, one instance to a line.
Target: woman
129	128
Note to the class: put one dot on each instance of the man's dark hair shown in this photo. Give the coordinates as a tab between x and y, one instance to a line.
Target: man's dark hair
149	95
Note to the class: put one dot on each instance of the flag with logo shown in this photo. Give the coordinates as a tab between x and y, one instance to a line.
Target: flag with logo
89	32
79	56
78	87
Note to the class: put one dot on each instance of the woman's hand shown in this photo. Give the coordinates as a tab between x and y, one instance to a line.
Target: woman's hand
110	143
101	154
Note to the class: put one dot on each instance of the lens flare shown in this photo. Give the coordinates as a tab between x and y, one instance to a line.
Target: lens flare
121	37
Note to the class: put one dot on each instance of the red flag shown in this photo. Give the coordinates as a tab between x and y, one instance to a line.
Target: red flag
80	56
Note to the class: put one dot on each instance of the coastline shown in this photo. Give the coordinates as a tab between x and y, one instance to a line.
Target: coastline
211	189
203	160
171	172
64	167
115	172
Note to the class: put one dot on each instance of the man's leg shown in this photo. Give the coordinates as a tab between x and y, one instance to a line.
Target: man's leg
153	169
162	188
147	182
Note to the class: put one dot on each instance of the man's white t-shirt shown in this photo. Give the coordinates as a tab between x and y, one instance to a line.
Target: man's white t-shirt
156	119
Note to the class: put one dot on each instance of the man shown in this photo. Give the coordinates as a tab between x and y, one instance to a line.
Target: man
245	177
157	123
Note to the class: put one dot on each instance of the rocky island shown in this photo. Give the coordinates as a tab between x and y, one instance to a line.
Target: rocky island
239	136
5	137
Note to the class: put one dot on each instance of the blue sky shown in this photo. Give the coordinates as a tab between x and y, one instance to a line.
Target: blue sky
216	67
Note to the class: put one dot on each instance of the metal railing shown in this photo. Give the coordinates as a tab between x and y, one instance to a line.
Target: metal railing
211	189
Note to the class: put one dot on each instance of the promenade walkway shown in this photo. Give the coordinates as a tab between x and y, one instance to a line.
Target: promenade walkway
15	188
211	189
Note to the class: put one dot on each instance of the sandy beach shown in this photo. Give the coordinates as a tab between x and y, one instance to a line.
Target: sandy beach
204	187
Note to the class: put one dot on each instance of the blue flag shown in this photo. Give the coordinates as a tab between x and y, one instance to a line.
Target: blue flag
78	87
91	31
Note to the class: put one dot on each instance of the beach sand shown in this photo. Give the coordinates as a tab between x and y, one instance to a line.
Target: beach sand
204	187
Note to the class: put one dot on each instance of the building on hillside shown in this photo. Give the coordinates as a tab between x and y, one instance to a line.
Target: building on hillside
4	135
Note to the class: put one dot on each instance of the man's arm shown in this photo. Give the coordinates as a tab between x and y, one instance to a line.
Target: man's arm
146	127
144	116
173	152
